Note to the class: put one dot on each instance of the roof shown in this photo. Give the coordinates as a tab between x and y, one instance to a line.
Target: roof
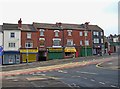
9	26
54	26
94	28
25	27
1	28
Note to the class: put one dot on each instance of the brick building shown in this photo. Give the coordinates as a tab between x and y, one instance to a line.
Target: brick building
62	40
29	43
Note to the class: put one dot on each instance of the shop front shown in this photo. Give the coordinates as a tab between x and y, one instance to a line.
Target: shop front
97	49
85	51
1	53
11	57
70	52
29	55
42	54
55	53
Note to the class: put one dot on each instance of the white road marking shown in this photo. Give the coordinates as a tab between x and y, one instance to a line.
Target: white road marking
85	78
89	73
113	86
78	71
92	80
62	71
102	83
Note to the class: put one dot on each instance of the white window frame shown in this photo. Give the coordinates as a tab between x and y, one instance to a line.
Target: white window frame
96	40
12	35
85	33
56	33
57	39
44	41
81	33
29	35
69	32
96	33
11	45
70	41
101	33
41	32
87	43
81	42
101	40
27	43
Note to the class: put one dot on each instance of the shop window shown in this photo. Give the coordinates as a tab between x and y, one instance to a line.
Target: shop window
42	42
29	45
69	42
28	35
12	35
11	45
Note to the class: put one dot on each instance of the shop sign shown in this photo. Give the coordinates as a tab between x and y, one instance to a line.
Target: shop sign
28	50
55	49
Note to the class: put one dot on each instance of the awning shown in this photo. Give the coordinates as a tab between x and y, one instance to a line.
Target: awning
70	49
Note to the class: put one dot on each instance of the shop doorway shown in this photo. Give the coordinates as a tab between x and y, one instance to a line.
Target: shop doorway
42	56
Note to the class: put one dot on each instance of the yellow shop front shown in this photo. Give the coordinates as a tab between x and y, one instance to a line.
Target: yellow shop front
29	55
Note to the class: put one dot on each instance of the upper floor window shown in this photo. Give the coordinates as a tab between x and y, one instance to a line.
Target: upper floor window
96	40
86	33
101	33
29	45
29	35
56	42
81	33
42	42
69	32
96	33
86	42
56	33
81	42
101	40
42	32
12	35
12	45
69	42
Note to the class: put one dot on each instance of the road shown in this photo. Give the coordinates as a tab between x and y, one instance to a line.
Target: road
102	74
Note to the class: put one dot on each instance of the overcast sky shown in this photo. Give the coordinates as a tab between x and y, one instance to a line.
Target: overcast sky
103	13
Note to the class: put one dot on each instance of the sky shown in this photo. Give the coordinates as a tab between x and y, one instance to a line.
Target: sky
103	13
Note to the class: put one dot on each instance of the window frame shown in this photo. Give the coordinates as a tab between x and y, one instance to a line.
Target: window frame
27	43
12	35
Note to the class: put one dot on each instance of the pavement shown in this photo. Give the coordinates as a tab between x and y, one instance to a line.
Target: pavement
11	70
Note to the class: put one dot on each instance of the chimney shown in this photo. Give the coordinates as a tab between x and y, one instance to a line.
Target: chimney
19	23
86	24
58	24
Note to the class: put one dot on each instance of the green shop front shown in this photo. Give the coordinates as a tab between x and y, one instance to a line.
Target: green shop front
85	51
55	53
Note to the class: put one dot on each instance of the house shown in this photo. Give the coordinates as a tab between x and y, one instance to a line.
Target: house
29	43
1	44
11	43
112	43
97	39
62	40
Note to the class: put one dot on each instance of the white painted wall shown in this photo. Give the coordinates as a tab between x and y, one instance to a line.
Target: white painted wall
8	39
1	39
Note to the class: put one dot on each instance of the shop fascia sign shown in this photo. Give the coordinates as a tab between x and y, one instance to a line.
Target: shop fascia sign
55	49
29	50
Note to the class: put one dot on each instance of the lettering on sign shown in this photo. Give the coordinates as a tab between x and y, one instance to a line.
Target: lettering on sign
55	49
29	50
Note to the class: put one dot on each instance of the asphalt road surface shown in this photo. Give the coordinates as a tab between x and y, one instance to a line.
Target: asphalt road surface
92	76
